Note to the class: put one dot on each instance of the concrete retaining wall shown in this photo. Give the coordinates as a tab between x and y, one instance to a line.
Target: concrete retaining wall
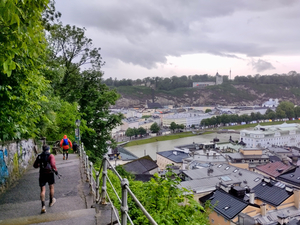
15	158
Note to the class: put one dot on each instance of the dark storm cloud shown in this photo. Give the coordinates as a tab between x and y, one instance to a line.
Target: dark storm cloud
261	65
146	32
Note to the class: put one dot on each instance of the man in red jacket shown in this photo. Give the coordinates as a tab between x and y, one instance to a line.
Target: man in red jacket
64	143
46	162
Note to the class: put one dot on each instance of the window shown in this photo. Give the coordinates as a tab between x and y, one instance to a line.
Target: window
227	168
257	179
235	170
219	165
225	178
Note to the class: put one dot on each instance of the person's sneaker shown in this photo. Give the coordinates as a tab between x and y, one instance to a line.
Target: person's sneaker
52	203
43	209
63	158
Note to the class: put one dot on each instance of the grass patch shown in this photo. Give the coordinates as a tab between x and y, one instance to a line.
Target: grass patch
160	138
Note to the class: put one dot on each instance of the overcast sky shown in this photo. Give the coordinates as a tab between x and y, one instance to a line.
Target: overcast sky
165	38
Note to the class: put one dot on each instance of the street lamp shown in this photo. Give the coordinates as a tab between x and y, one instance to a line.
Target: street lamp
77	133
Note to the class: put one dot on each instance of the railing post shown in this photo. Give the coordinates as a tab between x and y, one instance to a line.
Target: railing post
87	168
91	173
124	206
97	187
104	174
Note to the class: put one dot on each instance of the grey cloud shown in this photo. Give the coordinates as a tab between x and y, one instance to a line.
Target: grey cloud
146	32
261	65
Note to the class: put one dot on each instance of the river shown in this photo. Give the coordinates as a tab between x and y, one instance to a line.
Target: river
160	146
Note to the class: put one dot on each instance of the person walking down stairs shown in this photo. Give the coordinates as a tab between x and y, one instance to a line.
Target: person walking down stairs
46	162
64	143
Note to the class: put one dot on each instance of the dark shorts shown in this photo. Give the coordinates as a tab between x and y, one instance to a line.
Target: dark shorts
65	150
46	178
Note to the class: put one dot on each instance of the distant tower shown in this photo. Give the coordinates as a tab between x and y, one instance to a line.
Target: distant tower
219	79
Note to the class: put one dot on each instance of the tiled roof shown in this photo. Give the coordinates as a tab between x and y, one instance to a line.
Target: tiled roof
292	177
272	192
177	157
274	169
274	158
140	166
225	204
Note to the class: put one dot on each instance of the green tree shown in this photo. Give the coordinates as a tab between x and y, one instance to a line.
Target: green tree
22	49
287	108
70	48
207	110
142	131
155	128
297	111
129	132
173	126
94	103
165	202
280	113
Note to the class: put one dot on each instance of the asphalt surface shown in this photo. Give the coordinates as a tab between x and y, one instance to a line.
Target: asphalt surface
21	203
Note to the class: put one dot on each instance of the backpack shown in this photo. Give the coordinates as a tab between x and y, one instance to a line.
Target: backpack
65	142
44	162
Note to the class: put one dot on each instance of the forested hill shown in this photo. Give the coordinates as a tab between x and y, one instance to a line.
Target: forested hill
243	90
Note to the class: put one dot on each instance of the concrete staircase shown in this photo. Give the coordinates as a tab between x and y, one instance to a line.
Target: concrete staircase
20	204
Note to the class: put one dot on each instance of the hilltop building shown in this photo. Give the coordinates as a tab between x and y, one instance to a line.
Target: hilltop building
219	80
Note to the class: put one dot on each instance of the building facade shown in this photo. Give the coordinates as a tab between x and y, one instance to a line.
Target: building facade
275	135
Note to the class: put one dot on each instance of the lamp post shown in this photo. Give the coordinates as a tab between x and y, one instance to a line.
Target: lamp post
77	134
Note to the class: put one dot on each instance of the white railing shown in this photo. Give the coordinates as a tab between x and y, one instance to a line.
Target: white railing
93	177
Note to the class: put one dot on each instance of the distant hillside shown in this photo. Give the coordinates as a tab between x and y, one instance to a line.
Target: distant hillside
230	93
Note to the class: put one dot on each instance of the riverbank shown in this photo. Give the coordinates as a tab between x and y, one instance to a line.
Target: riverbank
190	134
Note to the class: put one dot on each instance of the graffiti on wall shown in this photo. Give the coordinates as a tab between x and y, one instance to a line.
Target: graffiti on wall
3	167
15	158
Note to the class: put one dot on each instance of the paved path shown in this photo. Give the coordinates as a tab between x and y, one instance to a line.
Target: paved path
21	204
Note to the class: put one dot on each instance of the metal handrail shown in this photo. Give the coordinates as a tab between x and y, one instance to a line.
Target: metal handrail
93	177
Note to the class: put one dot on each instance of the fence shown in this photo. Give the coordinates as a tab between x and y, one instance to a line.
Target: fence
93	177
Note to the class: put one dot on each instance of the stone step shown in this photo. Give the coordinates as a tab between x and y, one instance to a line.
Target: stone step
75	217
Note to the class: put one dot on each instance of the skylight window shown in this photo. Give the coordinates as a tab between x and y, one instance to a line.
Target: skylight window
235	170
225	178
219	165
292	175
226	207
227	168
257	179
298	178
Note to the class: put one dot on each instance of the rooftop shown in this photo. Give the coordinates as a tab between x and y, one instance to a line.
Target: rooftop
174	155
225	204
273	192
274	169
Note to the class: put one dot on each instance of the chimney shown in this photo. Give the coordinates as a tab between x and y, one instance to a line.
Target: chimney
297	198
267	179
207	154
283	219
251	197
263	209
224	187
